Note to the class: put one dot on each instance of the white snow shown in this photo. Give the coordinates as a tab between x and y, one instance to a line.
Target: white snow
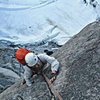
36	20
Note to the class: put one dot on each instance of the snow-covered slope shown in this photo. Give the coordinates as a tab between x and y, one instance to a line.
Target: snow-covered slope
37	20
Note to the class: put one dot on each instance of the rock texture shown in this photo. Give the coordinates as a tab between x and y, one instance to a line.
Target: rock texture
10	69
79	78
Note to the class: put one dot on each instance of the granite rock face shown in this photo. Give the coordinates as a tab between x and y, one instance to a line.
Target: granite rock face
79	78
8	71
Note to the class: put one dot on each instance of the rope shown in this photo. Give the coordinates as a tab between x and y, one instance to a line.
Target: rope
54	93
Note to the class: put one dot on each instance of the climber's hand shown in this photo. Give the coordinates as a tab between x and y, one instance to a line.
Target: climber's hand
52	79
54	75
54	72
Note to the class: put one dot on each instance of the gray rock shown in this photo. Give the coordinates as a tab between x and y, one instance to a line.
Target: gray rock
79	78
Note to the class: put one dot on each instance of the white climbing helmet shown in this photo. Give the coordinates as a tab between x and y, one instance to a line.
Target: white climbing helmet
31	59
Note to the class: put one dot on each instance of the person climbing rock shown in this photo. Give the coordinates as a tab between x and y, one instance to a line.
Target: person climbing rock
35	64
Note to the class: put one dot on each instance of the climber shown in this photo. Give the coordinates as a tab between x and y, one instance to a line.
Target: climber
35	64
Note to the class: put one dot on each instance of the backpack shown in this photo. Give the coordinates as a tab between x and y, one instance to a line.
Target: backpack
20	55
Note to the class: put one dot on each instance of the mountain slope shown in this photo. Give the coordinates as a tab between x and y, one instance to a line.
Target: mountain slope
79	78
